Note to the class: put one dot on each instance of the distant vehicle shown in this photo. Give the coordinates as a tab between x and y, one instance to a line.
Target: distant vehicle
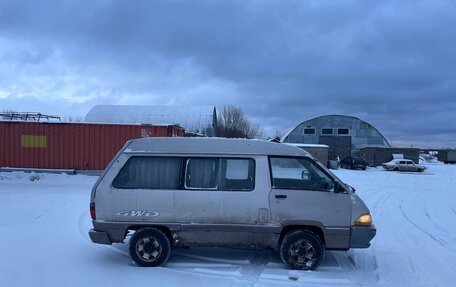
351	162
403	165
447	156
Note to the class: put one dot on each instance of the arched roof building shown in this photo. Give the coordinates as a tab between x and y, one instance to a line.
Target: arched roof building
345	135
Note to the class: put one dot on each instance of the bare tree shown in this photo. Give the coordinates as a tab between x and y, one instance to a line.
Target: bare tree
232	123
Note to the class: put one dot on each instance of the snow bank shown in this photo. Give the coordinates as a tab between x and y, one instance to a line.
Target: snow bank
44	240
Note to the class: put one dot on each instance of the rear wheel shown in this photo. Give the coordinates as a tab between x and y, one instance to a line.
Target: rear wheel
149	247
302	249
419	170
396	169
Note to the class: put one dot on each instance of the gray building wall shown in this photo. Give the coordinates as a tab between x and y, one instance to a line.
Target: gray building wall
318	152
447	155
375	156
360	134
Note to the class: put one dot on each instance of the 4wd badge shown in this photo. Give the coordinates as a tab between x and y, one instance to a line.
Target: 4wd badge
137	213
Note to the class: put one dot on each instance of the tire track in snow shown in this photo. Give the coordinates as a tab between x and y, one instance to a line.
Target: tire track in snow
107	249
444	228
258	259
430	235
247	271
380	202
453	210
359	268
259	267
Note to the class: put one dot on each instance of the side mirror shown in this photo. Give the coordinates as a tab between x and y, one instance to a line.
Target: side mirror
338	188
305	175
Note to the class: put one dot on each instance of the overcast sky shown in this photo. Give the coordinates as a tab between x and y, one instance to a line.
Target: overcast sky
391	63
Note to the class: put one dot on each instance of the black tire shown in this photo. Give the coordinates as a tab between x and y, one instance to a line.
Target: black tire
149	247
365	167
396	169
302	249
419	170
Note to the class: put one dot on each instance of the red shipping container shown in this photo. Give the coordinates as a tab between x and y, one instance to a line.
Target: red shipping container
78	146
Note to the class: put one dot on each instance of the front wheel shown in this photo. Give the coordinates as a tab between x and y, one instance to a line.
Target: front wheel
302	249
149	247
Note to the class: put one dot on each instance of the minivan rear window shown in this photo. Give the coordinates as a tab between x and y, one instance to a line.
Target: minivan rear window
141	172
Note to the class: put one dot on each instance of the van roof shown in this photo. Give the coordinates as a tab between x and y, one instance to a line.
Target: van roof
179	145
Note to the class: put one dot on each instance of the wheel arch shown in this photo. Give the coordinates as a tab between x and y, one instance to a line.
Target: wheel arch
315	228
166	230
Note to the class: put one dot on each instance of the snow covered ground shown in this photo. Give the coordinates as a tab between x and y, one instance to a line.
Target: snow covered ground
44	241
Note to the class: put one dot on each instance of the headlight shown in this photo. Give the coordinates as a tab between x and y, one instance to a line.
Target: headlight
364	220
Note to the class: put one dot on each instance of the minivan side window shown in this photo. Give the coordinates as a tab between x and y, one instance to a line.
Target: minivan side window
298	173
230	174
238	174
141	172
202	173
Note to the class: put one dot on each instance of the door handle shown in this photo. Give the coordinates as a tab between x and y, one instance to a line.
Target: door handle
280	196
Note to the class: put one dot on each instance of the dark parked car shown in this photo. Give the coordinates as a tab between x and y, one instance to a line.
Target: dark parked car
353	163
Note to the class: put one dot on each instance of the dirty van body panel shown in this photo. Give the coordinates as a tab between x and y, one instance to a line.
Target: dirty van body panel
110	200
107	169
249	207
228	217
328	211
198	206
150	205
115	206
116	231
295	200
240	235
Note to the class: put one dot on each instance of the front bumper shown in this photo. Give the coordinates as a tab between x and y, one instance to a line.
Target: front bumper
99	237
361	236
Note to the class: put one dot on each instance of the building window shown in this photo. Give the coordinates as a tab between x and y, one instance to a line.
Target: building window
327	131
342	131
309	131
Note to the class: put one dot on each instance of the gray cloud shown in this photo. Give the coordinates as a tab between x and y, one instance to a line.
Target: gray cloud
391	63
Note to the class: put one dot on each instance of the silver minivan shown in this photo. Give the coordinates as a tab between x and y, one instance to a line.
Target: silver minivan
185	192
